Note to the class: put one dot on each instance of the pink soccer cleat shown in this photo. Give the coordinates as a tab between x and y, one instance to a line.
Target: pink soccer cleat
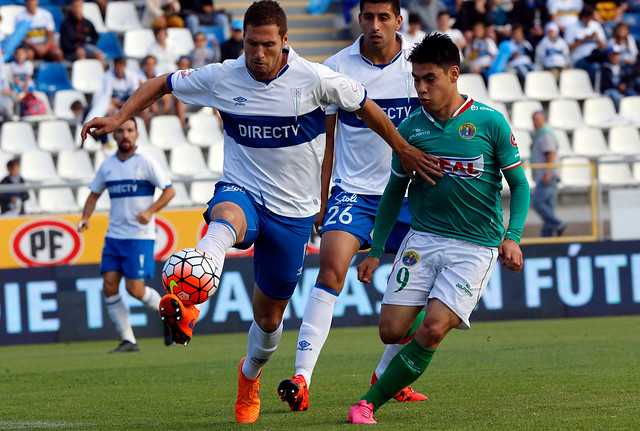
362	413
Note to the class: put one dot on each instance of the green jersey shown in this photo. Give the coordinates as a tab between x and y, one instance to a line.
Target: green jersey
473	146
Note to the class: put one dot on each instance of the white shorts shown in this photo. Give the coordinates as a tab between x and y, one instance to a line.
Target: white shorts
452	270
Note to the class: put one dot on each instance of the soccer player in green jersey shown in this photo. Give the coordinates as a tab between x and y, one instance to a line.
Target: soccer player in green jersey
457	233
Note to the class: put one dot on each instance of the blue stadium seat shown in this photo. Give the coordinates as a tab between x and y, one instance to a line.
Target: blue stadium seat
110	45
213	32
55	10
52	77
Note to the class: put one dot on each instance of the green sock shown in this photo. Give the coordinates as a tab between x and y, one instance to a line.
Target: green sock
415	325
404	368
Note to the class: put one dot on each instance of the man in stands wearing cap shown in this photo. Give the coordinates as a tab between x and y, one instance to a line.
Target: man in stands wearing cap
552	53
233	47
616	81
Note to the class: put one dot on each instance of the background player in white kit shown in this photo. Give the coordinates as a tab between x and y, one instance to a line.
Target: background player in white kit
360	172
271	102
131	177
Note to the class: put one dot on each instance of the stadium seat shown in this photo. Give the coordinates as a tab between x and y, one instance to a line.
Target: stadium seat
576	84
4	159
564	145
91	11
541	85
86	75
103	204
110	45
214	33
143	136
636	171
58	200
630	109
158	154
601	112
52	77
137	42
589	142
134	65
74	164
62	101
201	192
8	14
523	139
121	16
521	113
37	165
565	114
90	144
473	85
181	198
49	115
17	137
505	87
31	205
575	174
55	136
166	132
180	40
186	161
215	159
204	130
613	173
56	13
625	140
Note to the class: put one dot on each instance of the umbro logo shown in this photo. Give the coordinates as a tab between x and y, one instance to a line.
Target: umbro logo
239	101
304	345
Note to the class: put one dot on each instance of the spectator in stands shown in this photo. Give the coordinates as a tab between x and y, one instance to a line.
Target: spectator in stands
414	33
78	36
428	11
39	41
162	13
166	57
119	83
533	15
609	12
11	202
552	52
564	12
544	149
587	42
202	54
22	71
468	13
233	47
184	63
616	81
521	59
501	24
7	94
627	44
201	12
444	26
482	49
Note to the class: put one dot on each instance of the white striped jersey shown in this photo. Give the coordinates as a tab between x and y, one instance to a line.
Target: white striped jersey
131	184
362	158
274	131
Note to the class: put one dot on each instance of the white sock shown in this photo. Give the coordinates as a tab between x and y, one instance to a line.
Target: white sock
220	237
151	298
314	329
119	314
260	347
387	356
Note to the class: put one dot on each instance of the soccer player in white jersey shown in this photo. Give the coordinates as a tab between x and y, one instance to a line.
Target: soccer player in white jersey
272	105
131	177
361	168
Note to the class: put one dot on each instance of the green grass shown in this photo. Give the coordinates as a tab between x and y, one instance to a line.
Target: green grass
565	374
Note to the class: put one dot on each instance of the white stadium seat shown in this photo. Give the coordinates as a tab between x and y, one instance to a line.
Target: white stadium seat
58	200
137	42
31	205
17	137
636	171
575	173
86	75
541	85
48	115
4	159
576	84
181	198
166	132
75	164
505	87
522	112
473	85
625	140
601	112
37	165
180	40
201	192
215	159
103	204
613	173
8	14
186	161
55	136
62	101
564	145
204	130
630	109
589	142
91	11
121	16
158	154
565	114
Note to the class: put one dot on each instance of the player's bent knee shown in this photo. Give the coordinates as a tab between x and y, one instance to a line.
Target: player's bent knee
268	323
391	335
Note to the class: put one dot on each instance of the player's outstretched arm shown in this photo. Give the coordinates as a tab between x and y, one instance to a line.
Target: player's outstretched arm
367	268
167	194
413	160
89	207
140	100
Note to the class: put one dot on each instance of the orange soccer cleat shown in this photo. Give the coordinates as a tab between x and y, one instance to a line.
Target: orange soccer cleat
248	402
295	392
406	395
178	318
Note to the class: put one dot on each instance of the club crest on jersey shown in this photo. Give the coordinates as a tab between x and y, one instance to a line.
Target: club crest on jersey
464	167
467	131
410	258
296	95
239	101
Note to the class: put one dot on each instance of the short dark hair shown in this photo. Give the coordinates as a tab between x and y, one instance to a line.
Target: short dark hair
443	12
414	18
13	162
436	48
395	5
120	60
587	10
266	12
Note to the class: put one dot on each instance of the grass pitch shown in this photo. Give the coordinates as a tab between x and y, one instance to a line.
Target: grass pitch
569	374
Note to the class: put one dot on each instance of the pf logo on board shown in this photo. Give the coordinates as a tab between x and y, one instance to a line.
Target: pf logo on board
46	242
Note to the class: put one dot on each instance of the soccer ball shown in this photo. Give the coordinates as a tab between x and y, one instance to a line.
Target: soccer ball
191	275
